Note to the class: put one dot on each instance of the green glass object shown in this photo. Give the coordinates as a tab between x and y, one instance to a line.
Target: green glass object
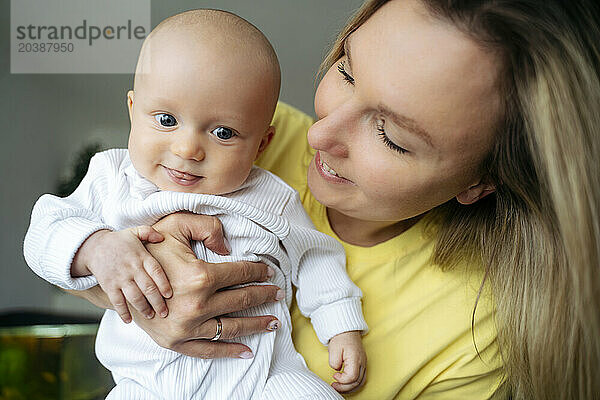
51	362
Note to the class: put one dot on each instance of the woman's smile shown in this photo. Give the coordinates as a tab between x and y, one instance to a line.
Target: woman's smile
328	173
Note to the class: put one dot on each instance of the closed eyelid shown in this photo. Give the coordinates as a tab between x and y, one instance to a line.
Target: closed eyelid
345	75
408	124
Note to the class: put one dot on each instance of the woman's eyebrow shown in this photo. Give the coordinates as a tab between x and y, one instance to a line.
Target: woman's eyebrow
347	51
407	123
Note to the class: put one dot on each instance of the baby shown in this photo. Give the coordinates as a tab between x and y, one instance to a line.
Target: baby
205	90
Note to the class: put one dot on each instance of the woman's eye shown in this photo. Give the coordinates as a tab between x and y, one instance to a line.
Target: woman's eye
345	75
386	140
166	120
223	133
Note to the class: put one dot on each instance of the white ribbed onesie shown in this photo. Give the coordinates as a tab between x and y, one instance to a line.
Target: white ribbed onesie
263	221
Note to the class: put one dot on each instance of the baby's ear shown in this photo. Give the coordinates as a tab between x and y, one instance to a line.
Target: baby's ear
130	104
266	139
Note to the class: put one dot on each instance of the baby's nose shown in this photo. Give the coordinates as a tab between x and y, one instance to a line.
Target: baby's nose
188	147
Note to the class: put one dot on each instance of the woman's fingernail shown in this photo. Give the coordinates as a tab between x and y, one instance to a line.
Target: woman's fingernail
273	325
227	245
270	272
163	314
150	315
280	295
246	355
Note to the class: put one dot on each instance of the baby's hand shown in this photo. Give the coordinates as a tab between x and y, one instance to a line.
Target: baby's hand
346	349
126	271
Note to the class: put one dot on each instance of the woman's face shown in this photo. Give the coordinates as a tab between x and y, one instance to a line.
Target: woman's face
405	117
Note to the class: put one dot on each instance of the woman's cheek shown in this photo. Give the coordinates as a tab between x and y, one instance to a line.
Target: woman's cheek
372	174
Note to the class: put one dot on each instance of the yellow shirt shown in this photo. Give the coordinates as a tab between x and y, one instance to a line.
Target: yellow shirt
420	343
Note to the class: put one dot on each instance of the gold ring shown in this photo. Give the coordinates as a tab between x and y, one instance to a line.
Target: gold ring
219	330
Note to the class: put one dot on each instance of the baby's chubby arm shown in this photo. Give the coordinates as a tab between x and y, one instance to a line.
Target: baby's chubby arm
346	350
328	296
325	293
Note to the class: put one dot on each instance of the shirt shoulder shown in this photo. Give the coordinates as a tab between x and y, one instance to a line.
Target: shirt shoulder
110	161
109	165
113	156
265	191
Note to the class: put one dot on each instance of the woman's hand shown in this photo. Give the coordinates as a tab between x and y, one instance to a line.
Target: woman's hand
197	297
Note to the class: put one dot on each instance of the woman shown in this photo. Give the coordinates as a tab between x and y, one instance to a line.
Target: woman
456	157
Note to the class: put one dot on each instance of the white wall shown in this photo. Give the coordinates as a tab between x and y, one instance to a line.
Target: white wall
45	119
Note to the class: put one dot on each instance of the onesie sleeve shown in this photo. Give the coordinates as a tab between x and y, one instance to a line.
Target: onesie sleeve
325	293
59	226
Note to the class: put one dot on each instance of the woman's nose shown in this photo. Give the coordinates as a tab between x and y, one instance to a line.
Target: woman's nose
188	146
333	132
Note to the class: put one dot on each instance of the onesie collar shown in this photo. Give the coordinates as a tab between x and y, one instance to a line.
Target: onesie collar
139	187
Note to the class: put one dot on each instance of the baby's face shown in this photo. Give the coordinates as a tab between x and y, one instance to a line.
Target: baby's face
198	121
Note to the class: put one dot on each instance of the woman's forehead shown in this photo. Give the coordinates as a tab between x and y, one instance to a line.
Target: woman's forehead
427	70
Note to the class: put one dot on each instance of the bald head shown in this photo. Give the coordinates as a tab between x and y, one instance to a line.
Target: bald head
227	39
221	24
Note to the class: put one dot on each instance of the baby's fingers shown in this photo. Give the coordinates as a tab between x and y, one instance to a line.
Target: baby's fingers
344	386
134	295
157	274
335	357
147	234
151	293
118	301
351	372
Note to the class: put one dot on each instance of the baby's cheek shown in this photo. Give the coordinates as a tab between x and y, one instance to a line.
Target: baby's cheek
231	177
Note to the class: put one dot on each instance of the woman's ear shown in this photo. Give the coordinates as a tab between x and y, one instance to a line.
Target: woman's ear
264	142
130	104
475	192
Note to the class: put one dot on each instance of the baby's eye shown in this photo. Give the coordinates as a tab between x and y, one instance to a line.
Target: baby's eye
223	133
166	120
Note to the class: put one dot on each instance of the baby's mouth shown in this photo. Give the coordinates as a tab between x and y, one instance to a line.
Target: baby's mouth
182	178
183	175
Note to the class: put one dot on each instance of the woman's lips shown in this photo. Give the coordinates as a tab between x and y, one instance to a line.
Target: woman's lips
327	172
182	178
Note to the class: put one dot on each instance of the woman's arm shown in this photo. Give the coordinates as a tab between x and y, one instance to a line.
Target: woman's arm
197	292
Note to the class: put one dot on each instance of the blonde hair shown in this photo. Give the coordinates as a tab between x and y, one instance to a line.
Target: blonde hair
538	236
